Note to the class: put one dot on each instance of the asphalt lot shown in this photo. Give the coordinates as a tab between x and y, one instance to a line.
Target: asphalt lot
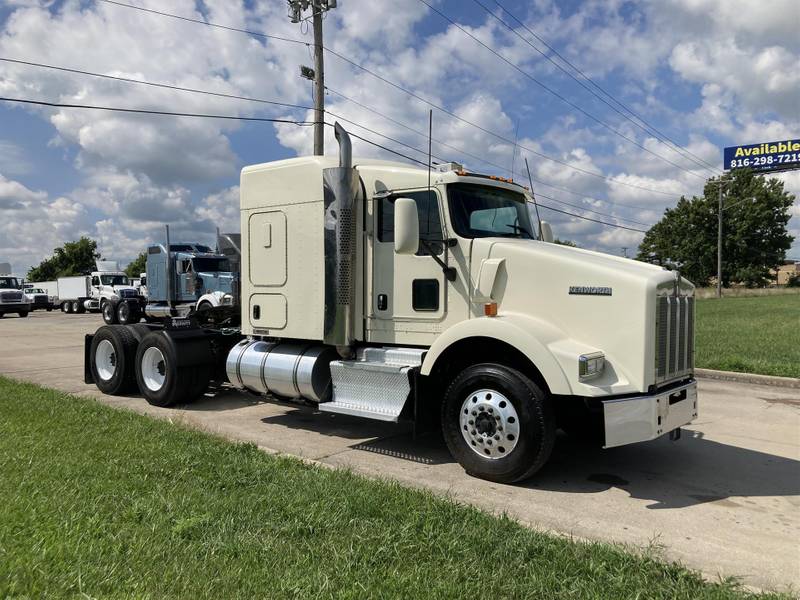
724	499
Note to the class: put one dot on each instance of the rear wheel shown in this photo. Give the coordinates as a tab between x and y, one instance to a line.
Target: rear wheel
161	381
67	307
23	314
109	314
127	313
113	354
498	424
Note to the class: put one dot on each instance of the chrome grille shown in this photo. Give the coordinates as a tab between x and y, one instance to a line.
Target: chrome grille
11	296
674	337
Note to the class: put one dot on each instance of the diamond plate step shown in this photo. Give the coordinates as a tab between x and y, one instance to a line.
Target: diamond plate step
376	385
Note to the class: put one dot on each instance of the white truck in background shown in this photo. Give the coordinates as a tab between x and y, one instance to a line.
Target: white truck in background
12	296
388	292
95	292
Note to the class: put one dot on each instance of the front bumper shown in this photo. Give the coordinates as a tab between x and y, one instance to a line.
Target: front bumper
12	307
642	418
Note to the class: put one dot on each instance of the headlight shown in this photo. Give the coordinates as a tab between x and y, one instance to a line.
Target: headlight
227	299
591	365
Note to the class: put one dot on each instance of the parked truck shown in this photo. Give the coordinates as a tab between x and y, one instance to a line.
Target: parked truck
39	298
101	291
369	289
12	296
190	278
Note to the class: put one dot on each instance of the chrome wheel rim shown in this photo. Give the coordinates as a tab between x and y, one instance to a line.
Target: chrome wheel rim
489	424
105	360
154	369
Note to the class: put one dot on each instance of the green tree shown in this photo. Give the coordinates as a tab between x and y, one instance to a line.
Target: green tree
137	266
73	258
754	234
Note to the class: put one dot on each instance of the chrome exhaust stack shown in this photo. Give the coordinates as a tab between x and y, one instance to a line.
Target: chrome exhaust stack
341	192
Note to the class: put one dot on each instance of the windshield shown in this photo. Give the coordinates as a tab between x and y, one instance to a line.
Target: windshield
34	291
114	279
486	211
211	264
9	283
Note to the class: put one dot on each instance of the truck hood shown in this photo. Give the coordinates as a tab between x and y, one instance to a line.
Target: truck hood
215	281
570	266
586	301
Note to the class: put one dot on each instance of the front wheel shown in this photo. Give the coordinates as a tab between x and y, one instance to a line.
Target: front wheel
23	314
498	424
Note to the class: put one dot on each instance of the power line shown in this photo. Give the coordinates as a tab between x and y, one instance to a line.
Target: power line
558	95
209	23
271	102
154	112
399	87
153	84
564	212
268	120
479	158
639	121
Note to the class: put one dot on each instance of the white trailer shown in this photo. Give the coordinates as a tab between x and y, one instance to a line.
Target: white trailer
73	292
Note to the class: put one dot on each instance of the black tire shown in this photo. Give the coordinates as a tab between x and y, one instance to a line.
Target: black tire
49	309
2	315
161	381
122	365
68	308
23	314
109	314
490	387
79	307
127	313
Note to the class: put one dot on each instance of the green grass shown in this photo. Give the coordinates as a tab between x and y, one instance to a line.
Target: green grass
749	335
106	503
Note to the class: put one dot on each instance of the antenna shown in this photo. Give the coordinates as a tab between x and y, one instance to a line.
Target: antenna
430	139
533	196
514	152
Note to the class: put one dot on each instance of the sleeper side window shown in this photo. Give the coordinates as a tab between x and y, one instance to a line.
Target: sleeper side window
430	224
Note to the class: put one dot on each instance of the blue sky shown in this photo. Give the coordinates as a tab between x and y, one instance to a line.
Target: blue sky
705	73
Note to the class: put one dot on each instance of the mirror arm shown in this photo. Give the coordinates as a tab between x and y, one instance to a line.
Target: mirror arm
449	272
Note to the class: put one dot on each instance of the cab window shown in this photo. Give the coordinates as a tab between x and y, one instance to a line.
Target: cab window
430	224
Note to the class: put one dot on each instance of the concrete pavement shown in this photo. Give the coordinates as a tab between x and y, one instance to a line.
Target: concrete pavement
725	499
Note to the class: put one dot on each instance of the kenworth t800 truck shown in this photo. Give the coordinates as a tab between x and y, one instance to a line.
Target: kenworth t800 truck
366	291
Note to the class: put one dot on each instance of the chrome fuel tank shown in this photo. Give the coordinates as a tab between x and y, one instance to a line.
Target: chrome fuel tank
290	370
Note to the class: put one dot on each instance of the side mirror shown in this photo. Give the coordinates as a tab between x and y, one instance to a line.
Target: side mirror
547	232
406	226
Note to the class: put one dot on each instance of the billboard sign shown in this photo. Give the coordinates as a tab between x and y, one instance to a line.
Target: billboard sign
766	156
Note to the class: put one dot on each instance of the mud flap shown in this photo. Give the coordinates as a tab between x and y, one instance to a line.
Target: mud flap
87	359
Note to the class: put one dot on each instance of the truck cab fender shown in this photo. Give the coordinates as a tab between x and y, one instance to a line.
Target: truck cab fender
213	298
528	335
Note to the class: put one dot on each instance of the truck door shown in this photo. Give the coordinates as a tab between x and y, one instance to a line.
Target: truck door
409	293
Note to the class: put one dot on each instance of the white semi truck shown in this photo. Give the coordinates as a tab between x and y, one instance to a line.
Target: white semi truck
100	291
368	291
12	295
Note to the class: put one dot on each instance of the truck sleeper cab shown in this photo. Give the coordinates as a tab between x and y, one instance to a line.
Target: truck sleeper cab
366	292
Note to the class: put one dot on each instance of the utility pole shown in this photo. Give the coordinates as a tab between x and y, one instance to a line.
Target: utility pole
625	251
719	241
318	7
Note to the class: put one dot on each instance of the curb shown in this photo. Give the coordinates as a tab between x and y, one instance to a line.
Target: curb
785	382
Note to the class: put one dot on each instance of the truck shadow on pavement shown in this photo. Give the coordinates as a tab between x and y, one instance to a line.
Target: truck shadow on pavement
679	474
